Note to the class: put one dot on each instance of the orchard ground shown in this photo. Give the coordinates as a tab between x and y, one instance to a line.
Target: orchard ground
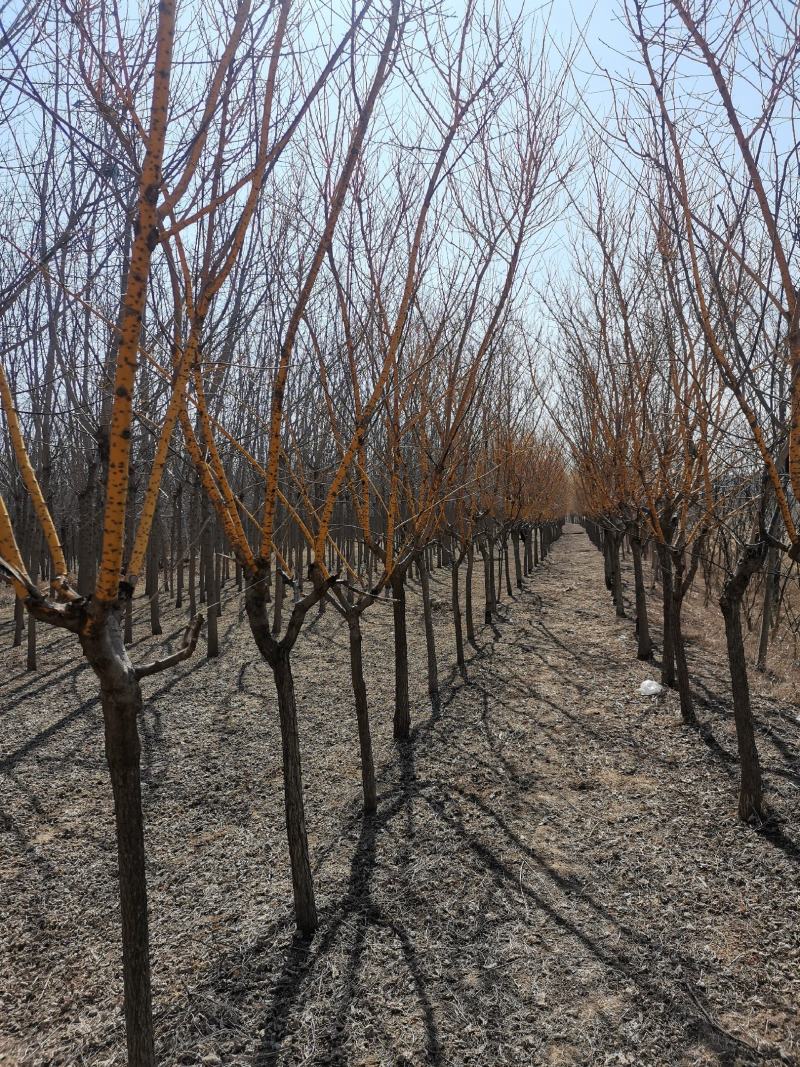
555	874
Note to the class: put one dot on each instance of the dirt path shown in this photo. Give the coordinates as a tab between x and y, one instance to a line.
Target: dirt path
554	876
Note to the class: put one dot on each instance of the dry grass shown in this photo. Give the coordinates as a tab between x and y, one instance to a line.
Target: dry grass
555	874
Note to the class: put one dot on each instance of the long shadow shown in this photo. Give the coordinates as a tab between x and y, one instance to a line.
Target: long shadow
44	735
302	957
778	837
686	1003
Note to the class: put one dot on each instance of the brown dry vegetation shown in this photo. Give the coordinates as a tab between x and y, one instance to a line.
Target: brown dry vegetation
555	874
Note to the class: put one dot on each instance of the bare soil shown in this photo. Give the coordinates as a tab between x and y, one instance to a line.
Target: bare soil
555	874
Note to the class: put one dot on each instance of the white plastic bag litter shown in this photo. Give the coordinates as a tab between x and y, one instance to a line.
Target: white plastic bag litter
649	688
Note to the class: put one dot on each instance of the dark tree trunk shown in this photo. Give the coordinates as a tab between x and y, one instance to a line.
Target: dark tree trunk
218	582
430	640
751	793
362	713
302	881
615	542
212	593
668	653
179	545
517	560
497	582
151	580
678	646
122	702
456	606
607	566
277	609
192	582
645	645
129	621
278	657
468	594
402	709
772	581
87	549
19	622
30	659
488	581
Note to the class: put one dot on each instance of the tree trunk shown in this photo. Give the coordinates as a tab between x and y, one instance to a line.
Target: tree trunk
456	606
668	654
517	560
362	713
772	581
402	709
488	582
122	703
179	549
30	659
497	583
645	645
507	567
19	622
430	640
212	592
151	580
615	541
87	549
751	793
679	648
278	605
129	621
302	882
468	594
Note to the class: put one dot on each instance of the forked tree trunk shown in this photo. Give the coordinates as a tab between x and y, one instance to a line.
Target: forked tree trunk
645	645
751	791
104	647
402	709
278	658
430	640
362	713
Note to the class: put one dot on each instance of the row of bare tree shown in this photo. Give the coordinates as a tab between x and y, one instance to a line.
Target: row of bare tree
678	349
264	325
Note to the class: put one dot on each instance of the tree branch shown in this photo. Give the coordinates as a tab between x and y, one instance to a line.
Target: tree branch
190	635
